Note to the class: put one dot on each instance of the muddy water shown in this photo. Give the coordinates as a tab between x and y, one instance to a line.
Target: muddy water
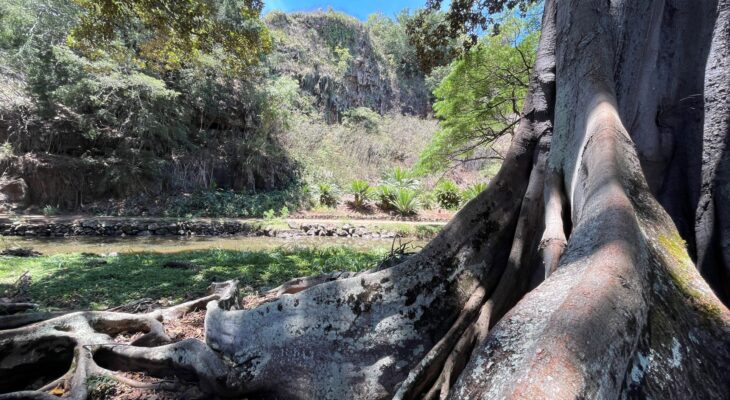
102	245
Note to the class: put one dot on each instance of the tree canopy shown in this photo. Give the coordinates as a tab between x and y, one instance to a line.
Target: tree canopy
471	17
169	33
431	41
481	97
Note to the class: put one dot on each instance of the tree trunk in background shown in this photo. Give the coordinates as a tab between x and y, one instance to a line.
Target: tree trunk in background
713	211
565	279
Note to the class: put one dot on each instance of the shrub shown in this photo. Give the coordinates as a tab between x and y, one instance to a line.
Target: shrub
473	191
327	194
406	201
362	116
447	194
269	214
362	192
427	199
232	204
343	56
385	194
401	179
105	98
49	211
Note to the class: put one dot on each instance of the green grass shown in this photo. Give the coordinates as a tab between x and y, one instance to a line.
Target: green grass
78	281
427	231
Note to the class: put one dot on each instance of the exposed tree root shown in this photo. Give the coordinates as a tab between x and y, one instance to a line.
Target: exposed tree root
453	352
14	308
431	365
296	285
600	326
39	344
554	241
609	306
18	320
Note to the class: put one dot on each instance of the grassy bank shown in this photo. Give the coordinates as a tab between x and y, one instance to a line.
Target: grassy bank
85	281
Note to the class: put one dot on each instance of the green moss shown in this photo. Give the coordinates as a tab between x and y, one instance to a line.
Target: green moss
675	247
683	272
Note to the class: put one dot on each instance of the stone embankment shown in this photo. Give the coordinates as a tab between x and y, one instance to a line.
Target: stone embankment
209	227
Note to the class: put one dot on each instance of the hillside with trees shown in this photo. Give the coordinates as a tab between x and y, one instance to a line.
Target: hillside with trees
121	120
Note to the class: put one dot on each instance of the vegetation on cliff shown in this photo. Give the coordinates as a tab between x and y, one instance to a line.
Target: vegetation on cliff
92	111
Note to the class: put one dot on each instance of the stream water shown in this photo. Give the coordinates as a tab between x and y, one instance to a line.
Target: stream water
173	244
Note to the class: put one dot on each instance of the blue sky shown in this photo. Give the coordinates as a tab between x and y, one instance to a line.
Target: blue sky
359	9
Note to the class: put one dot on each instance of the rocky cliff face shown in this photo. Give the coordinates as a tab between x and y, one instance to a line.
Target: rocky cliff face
334	58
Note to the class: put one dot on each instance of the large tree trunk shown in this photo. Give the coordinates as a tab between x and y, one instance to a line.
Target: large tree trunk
564	279
626	314
713	213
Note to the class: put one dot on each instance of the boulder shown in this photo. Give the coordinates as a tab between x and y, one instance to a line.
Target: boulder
89	224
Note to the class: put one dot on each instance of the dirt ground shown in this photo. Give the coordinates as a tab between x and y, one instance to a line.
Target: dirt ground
345	210
191	325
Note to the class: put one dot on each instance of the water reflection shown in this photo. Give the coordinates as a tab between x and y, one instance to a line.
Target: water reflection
173	244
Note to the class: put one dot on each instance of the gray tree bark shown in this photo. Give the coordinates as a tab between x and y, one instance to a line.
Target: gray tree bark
713	214
566	278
